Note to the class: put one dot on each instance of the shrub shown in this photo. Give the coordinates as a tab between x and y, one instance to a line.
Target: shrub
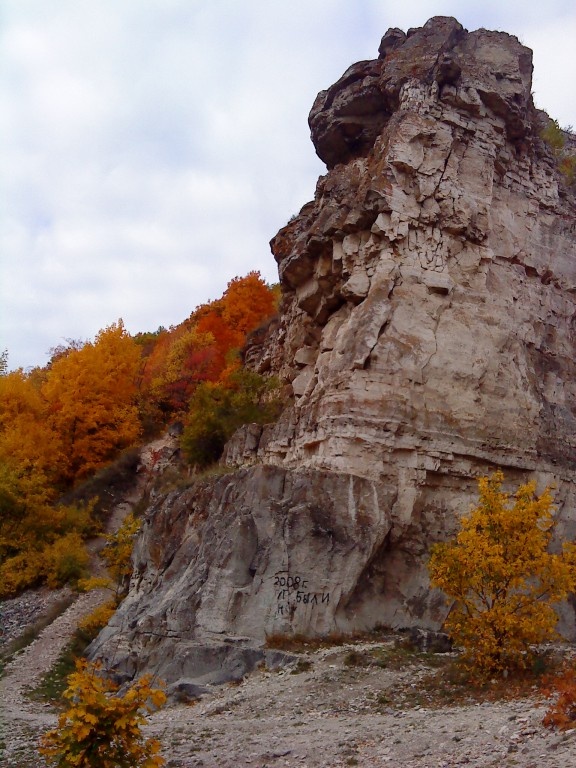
562	712
117	554
101	729
39	542
553	135
91	624
217	410
66	560
26	569
502	578
556	138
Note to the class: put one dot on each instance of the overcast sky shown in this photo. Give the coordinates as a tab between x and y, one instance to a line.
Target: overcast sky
150	149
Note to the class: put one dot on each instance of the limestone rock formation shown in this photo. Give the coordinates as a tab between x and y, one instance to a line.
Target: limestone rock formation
427	337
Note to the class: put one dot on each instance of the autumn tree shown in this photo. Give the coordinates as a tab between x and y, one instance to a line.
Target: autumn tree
91	400
204	347
502	578
100	728
63	350
189	361
247	302
60	423
40	541
27	444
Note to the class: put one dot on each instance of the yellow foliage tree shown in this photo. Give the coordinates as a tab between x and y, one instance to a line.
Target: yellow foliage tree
188	362
91	394
39	542
27	444
101	729
502	577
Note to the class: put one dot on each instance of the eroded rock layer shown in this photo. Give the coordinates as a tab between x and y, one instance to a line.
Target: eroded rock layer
427	337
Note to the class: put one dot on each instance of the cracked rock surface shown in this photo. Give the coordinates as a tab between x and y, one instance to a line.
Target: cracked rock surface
427	336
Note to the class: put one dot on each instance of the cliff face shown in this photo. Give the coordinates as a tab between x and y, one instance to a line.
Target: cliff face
427	336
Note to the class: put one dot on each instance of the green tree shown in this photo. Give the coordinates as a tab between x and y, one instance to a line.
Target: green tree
556	138
217	409
502	578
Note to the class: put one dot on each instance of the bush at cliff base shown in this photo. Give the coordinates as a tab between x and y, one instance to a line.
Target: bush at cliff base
101	729
502	578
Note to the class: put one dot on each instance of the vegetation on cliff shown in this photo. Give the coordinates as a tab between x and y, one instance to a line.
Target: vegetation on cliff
561	143
61	424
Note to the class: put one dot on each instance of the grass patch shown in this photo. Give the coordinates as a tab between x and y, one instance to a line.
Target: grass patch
33	631
447	683
402	653
53	684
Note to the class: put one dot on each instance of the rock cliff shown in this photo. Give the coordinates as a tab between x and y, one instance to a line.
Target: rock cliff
427	336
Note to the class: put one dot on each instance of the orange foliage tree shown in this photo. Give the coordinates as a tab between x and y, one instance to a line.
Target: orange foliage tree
38	540
246	303
502	578
91	400
27	443
202	349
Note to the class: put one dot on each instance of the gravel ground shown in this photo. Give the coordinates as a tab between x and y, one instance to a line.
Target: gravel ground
321	713
20	613
336	715
364	704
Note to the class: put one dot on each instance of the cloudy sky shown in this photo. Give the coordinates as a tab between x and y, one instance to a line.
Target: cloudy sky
150	149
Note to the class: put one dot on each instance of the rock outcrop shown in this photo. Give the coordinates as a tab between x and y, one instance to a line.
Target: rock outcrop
427	337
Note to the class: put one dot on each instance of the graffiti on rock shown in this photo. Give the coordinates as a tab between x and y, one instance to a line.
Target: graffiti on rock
293	591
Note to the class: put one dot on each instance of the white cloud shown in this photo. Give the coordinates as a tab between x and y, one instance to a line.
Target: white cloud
151	148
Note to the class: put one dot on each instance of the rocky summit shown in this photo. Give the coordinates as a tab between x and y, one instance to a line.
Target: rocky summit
427	336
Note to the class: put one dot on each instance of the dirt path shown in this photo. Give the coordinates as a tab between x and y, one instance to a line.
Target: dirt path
327	713
21	719
349	706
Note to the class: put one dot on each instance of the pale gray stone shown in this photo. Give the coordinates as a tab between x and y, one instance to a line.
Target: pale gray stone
430	294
